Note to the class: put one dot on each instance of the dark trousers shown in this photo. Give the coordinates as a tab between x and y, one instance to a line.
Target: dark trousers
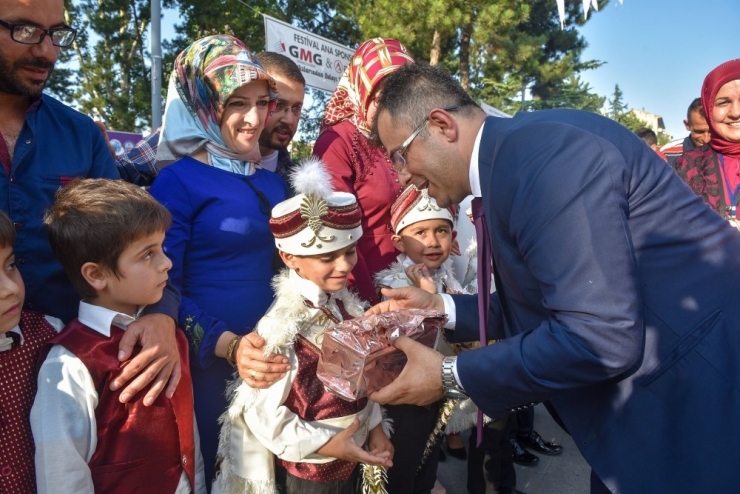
500	468
295	485
525	421
411	428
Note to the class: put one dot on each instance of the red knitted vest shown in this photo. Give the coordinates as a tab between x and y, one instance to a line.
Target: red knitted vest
17	390
309	400
140	449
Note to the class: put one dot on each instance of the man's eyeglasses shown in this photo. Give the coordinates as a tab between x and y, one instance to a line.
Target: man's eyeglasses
295	110
397	158
32	35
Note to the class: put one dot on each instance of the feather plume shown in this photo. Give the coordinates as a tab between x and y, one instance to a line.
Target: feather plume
311	178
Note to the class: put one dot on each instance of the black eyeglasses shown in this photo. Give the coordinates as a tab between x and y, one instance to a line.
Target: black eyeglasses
27	34
295	110
397	158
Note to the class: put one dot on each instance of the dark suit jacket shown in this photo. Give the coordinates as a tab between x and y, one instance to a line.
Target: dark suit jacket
619	297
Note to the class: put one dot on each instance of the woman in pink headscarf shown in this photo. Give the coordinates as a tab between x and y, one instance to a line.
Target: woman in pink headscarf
713	170
355	163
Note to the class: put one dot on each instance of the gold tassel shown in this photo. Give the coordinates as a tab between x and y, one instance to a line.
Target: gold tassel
374	479
445	411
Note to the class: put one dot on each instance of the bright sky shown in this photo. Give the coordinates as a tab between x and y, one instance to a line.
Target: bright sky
659	51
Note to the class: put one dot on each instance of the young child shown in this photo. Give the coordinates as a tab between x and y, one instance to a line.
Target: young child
317	437
108	237
22	335
423	234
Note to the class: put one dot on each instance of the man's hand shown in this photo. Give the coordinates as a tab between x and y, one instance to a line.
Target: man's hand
255	369
418	275
420	381
407	298
158	361
344	447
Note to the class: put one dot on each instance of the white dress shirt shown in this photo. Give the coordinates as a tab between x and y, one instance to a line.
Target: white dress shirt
475	190
63	416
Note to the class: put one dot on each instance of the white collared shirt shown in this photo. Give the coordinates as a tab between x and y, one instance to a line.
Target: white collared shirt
475	190
5	340
63	415
270	161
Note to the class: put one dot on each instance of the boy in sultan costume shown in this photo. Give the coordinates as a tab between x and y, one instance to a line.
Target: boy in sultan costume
296	419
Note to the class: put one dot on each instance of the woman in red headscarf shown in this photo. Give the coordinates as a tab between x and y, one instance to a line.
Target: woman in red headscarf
713	170
356	164
360	167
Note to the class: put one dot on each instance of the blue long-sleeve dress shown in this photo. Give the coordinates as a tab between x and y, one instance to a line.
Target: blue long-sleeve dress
222	256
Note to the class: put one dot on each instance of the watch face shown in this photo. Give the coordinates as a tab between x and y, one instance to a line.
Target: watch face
454	394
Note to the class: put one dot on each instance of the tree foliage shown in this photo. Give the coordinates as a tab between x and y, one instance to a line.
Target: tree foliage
620	112
113	80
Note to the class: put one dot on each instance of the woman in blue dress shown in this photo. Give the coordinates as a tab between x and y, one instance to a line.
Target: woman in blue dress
222	251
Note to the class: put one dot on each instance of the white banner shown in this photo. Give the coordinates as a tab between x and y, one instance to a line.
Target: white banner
322	61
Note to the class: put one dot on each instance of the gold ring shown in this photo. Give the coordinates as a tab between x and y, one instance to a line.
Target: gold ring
253	373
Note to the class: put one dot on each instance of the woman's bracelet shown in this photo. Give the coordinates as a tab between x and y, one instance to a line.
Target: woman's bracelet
231	350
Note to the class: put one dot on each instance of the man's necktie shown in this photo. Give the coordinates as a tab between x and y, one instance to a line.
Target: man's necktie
484	282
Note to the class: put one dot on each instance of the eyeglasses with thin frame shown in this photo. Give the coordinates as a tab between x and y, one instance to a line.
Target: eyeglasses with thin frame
27	34
397	159
295	110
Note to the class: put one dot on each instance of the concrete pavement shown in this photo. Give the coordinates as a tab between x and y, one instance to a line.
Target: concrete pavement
567	473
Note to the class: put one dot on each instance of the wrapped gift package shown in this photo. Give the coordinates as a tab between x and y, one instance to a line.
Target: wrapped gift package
358	356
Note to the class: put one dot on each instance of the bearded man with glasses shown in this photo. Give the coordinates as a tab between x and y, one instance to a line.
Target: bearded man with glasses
44	145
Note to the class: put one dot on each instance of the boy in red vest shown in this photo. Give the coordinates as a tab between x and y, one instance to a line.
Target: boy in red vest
22	335
108	237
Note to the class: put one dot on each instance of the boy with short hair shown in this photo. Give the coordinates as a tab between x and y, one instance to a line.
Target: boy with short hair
108	237
317	437
22	335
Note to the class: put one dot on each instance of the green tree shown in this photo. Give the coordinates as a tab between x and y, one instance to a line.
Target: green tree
619	111
113	81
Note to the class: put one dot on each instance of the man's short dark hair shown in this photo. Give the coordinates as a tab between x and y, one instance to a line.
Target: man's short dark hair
411	92
95	220
695	106
647	135
280	65
7	230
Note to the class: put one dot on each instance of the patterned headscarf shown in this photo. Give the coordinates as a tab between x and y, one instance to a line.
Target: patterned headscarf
373	60
206	73
728	71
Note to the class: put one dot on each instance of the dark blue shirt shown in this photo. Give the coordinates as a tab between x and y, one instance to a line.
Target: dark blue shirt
56	145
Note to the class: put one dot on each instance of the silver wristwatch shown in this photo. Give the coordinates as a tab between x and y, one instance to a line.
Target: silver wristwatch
451	389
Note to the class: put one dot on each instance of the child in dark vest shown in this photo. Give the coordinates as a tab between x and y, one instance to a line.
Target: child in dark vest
22	335
316	437
108	237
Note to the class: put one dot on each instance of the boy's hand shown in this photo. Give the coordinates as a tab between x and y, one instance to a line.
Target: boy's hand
419	276
158	361
455	248
255	369
407	298
378	442
344	447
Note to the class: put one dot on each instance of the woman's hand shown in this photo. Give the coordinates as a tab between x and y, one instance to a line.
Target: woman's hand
344	447
255	369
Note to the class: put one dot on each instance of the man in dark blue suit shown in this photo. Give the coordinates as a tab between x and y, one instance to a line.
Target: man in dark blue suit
617	287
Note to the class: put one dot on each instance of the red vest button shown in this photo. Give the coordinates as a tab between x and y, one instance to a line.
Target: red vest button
6	471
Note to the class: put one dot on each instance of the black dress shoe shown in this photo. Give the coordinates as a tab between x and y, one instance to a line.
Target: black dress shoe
535	442
521	456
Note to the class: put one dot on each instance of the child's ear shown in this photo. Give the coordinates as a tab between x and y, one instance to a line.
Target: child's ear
397	243
288	259
454	234
94	275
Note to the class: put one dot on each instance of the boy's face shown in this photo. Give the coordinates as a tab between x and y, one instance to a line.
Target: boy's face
12	291
426	242
142	276
329	272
